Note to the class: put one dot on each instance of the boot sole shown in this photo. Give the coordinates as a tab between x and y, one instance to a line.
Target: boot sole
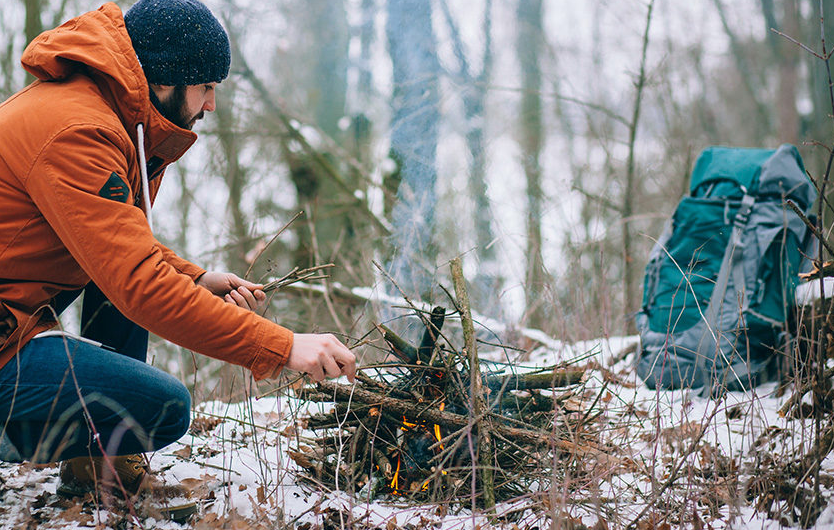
179	513
72	490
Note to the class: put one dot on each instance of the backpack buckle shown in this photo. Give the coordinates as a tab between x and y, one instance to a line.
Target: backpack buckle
744	210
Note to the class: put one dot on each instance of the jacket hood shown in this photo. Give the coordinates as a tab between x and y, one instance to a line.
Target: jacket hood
97	44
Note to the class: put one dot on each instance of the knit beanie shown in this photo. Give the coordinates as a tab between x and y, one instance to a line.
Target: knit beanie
178	42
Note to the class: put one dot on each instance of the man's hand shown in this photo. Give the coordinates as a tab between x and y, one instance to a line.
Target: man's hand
234	290
320	356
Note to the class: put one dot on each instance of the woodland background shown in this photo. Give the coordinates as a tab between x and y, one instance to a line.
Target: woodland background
545	141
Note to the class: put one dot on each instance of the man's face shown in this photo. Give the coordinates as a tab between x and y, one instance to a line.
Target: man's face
183	105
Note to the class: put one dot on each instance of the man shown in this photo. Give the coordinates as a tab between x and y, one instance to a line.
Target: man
82	153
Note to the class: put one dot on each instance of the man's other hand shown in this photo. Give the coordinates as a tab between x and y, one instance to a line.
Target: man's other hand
321	356
234	290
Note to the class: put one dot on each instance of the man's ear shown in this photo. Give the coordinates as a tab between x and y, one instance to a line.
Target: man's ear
162	91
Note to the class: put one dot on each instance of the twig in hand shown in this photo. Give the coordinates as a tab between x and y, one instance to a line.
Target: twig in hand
296	275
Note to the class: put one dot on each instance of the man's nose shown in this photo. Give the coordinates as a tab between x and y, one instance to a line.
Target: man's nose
208	105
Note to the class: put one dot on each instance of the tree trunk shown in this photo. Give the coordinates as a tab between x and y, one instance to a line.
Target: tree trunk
34	25
529	49
788	56
336	228
235	176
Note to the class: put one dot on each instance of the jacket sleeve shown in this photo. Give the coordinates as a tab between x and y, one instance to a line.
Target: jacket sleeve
182	266
112	243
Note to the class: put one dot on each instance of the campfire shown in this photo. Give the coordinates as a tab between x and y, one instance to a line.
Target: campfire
432	425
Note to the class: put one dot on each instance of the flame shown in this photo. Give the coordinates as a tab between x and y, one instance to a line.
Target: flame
437	427
396	479
405	427
407	424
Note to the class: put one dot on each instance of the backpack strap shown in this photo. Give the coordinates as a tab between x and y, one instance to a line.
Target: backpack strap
732	263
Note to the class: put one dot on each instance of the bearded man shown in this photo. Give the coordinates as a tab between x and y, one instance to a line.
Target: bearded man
83	150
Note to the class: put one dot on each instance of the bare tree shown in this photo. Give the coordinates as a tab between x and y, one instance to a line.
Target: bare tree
529	45
474	96
631	185
235	175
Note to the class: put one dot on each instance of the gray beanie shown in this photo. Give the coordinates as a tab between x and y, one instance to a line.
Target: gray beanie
178	42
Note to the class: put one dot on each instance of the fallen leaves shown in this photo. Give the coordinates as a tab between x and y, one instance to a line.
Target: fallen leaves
201	425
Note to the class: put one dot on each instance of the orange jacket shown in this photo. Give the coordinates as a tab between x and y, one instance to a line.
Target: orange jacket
71	206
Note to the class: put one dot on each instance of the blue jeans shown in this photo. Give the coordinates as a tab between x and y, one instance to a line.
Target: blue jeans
61	397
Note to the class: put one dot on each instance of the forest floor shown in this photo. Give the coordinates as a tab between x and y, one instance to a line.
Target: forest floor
676	460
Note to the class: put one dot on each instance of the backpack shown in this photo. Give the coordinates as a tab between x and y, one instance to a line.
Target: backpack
722	277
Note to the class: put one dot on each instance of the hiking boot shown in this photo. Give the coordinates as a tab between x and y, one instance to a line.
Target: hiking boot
83	475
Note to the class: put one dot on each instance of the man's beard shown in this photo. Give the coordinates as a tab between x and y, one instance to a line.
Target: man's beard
174	109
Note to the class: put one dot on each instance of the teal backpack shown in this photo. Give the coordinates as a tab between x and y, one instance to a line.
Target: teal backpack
722	277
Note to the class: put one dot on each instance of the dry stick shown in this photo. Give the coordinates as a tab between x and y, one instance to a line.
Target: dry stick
427	322
411	305
479	407
281	231
811	226
797	396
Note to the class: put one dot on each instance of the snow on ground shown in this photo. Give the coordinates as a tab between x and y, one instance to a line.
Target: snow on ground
235	462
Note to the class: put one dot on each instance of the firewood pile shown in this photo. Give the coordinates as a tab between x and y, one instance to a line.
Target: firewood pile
432	425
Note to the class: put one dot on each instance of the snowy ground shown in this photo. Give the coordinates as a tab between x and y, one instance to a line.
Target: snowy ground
235	461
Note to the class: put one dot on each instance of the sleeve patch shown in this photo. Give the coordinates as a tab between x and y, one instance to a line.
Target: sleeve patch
115	189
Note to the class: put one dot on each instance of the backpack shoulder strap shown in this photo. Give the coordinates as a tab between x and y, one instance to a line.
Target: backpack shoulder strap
730	264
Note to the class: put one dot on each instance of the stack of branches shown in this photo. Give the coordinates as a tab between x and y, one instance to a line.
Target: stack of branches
432	426
791	486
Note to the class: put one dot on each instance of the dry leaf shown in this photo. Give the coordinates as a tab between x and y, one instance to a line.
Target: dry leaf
184	453
199	487
202	424
75	514
301	459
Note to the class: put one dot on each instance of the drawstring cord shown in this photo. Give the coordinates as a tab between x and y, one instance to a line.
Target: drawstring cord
143	169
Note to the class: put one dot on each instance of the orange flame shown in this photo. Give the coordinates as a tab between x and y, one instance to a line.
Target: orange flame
437	427
396	479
